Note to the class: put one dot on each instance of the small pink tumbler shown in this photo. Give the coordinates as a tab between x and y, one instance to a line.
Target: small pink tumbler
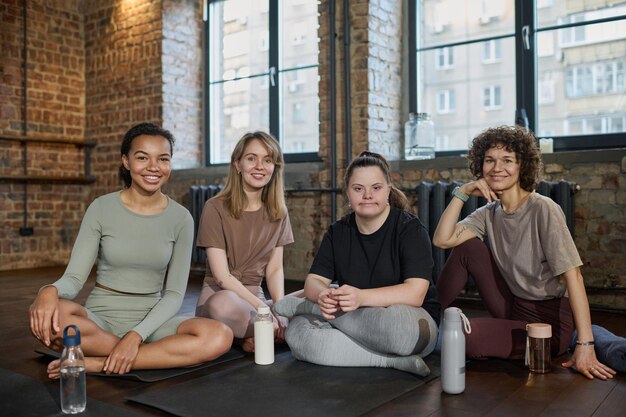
538	347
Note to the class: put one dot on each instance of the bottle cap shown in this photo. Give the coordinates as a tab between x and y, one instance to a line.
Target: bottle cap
539	330
71	340
263	310
452	314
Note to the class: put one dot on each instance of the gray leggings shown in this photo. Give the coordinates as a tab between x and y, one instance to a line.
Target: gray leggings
371	336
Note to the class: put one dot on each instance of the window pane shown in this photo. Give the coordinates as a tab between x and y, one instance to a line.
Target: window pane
581	85
299	76
299	45
236	107
300	114
238	32
447	21
477	88
567	11
470	96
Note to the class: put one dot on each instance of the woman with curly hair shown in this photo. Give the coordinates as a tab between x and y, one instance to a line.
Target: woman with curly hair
530	272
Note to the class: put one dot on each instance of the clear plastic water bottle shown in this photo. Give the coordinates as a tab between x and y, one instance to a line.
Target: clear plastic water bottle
453	351
419	137
410	137
73	380
263	337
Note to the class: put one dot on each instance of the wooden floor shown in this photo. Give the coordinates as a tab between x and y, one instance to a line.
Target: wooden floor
493	387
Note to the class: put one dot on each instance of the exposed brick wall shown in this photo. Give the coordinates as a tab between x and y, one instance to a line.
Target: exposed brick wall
56	109
97	67
182	80
384	74
124	80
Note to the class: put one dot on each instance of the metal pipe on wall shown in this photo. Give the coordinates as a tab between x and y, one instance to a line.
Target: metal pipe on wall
346	82
333	111
25	230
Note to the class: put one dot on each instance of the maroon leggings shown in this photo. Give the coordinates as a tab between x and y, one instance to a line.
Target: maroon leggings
504	334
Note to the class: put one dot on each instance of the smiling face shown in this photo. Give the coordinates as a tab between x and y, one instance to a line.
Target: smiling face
501	169
368	192
256	166
148	161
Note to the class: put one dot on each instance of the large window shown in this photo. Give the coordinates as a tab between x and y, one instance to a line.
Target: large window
561	61
262	61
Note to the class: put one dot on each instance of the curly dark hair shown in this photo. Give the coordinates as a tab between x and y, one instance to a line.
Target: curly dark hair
149	129
514	139
371	159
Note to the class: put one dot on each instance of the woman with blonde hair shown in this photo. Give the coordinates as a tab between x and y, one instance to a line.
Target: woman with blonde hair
244	229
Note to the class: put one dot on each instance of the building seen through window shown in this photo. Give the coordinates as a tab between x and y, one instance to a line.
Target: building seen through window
250	61
467	72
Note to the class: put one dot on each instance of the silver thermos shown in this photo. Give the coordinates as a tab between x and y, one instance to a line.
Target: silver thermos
453	351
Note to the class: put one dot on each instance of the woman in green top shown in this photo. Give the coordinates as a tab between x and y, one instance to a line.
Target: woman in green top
139	236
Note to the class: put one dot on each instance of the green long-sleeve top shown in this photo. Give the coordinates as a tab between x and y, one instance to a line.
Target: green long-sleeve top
135	254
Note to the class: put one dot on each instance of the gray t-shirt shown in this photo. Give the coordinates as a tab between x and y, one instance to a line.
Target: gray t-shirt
135	253
532	247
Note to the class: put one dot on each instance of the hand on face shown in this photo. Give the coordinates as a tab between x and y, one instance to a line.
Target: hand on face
479	188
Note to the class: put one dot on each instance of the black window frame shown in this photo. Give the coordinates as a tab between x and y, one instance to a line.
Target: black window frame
525	70
274	30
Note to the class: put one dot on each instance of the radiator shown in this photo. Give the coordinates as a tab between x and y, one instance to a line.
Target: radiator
198	195
433	198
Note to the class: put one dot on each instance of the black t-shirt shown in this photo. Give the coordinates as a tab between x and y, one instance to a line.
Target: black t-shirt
399	250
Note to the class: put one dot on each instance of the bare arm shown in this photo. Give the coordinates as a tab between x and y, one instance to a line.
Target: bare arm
449	232
275	275
584	357
411	292
219	267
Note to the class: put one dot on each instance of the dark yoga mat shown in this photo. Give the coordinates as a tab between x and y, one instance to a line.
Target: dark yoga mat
286	388
153	375
23	396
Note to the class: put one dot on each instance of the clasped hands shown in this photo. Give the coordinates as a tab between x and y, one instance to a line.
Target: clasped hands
343	299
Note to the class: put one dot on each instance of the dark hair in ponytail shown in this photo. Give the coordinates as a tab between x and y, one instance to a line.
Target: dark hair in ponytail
371	159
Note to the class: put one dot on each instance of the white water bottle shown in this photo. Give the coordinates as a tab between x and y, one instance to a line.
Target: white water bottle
263	337
73	381
453	351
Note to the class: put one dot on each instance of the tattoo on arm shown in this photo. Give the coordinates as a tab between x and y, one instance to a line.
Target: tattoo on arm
460	231
220	282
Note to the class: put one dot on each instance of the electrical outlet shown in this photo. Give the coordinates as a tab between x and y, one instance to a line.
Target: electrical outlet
26	231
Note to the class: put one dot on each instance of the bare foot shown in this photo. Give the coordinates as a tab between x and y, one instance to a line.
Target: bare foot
247	344
92	365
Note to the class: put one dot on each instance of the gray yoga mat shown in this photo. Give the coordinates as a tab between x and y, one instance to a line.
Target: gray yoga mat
21	396
153	375
286	388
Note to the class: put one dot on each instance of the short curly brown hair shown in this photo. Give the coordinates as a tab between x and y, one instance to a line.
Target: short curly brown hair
514	139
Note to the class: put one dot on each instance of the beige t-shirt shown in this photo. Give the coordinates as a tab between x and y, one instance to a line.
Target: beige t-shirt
248	241
532	247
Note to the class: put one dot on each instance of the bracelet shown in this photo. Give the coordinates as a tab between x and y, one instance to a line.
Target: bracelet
460	194
581	343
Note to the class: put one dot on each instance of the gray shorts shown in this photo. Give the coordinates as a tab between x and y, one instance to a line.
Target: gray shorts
117	313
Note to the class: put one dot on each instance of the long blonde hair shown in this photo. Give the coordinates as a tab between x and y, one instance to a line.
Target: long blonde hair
273	196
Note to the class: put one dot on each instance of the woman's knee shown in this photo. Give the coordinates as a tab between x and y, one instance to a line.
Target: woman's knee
224	305
212	338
